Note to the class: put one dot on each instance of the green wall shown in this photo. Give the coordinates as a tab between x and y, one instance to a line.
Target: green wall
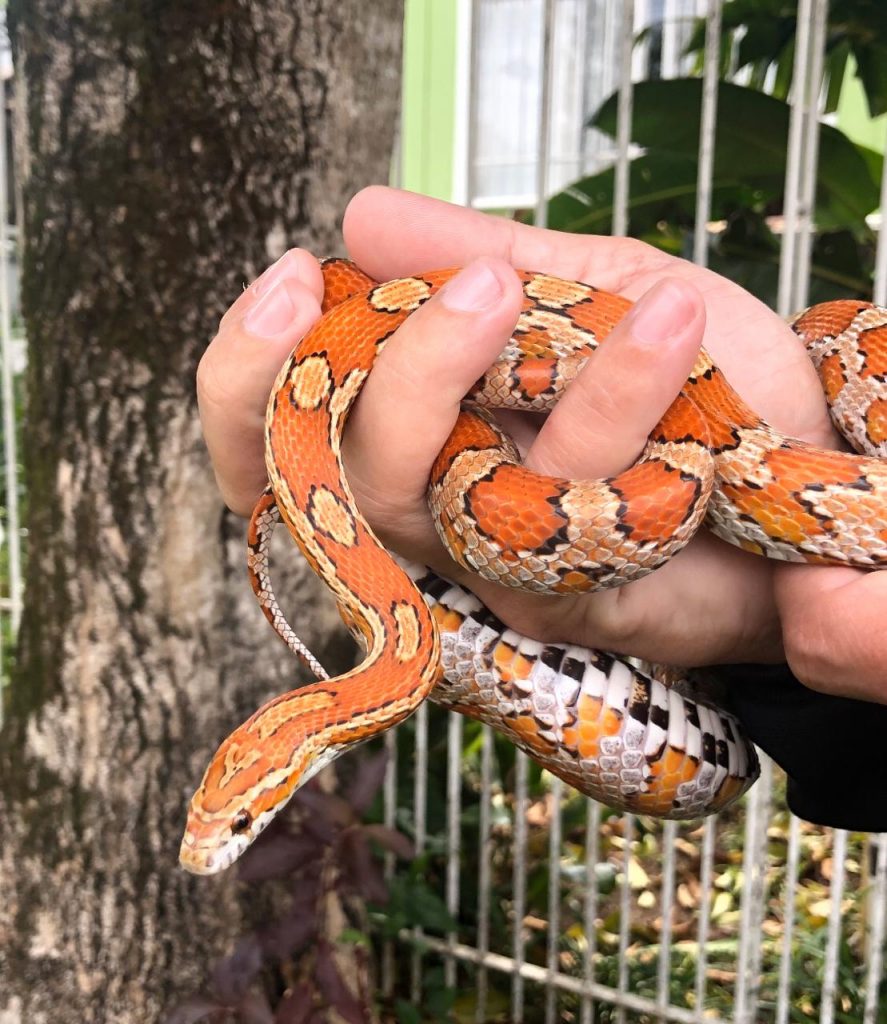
429	108
853	114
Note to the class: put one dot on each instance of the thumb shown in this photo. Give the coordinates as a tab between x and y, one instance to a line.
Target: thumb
603	421
238	368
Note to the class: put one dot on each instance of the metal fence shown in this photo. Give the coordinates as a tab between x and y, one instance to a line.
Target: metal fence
561	910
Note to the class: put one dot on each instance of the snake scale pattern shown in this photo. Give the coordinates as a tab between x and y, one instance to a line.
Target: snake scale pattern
625	737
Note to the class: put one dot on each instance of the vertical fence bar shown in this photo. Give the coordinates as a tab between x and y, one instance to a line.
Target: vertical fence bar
833	943
880	283
519	884
542	158
640	49
669	835
612	33
807	200
464	101
875	936
589	919
420	811
754	877
800	82
420	804
543	141
670	48
593	35
484	877
10	437
783	996
568	159
623	120
759	903
454	834
389	819
554	899
624	917
746	937
469	14
706	878
878	900
707	131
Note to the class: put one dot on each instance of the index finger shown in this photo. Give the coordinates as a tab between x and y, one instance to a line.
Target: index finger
392	233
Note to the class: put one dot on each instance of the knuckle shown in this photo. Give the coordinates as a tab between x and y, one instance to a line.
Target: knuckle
419	360
637	258
810	654
603	404
608	620
215	387
404	372
622	620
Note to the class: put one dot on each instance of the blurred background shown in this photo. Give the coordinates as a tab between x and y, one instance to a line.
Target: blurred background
155	158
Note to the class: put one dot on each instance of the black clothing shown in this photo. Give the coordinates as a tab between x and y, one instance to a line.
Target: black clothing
833	749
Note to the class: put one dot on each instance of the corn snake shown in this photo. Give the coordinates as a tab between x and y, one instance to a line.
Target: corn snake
614	732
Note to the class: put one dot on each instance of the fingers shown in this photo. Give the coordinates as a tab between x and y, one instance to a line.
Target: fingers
603	421
833	625
237	371
408	407
411	399
392	233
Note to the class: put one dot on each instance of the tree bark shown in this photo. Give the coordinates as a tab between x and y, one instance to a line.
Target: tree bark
171	151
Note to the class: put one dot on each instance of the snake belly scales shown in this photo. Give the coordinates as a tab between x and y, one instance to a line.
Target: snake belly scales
616	733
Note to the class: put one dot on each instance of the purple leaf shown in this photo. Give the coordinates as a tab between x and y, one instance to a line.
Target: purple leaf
327	807
335	991
193	1009
390	839
254	1008
297	1006
232	976
367	782
362	870
279	856
291	932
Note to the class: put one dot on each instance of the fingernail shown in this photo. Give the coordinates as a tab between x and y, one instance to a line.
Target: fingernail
282	268
661	313
272	313
473	289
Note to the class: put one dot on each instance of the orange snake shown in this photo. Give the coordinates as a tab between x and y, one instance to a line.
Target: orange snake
594	719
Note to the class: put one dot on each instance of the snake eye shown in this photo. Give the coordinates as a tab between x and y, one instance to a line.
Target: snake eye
242	821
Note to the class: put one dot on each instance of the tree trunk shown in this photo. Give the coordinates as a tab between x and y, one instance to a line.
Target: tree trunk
170	152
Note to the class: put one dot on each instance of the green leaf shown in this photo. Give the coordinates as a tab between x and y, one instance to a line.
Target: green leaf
750	143
406	1012
662	186
765	40
871	67
836	70
412	903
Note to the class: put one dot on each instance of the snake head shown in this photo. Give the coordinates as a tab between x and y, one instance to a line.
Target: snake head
250	779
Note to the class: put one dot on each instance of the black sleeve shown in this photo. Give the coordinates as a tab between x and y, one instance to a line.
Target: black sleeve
833	749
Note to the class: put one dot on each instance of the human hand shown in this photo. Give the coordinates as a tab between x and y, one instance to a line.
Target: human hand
712	603
833	628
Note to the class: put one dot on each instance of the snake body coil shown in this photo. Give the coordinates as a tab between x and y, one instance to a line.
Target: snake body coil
614	732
